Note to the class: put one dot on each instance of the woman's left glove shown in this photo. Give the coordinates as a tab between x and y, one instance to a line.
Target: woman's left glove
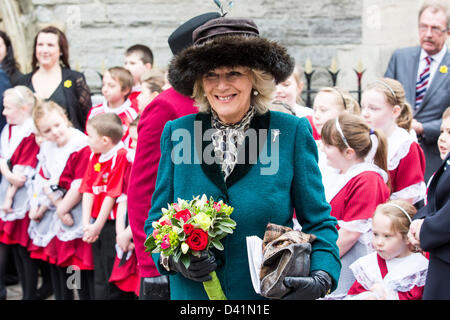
308	288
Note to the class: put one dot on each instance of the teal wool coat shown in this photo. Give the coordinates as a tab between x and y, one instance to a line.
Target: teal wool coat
279	174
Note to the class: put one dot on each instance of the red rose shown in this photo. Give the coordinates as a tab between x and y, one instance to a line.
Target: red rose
188	228
183	214
198	240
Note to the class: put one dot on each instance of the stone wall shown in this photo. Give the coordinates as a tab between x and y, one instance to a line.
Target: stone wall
352	31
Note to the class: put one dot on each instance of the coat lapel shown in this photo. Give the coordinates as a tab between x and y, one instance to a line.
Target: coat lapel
251	155
246	155
438	80
211	170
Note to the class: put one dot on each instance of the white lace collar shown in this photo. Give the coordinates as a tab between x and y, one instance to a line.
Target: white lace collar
399	143
18	133
403	273
338	181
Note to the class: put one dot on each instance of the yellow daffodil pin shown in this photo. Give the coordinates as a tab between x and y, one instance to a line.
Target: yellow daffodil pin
97	167
67	83
443	69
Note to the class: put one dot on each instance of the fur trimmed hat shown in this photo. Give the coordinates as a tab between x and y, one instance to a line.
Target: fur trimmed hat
227	42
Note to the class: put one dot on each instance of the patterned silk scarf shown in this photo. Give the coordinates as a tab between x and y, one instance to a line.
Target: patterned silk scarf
228	138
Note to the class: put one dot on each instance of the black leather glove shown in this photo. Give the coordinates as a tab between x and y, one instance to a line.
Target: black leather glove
155	288
199	269
308	288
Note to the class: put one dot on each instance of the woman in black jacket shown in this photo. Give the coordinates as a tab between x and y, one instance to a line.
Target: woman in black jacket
52	79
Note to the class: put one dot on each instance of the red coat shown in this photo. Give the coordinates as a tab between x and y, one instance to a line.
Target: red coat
168	105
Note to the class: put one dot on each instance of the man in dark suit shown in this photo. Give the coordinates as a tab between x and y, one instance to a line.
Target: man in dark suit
424	72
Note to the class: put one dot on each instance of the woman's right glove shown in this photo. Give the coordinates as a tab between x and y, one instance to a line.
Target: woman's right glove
313	287
199	268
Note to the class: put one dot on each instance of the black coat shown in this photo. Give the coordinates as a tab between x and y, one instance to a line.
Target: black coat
76	93
435	234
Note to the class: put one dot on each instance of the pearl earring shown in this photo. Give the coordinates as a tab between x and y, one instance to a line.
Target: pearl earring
255	93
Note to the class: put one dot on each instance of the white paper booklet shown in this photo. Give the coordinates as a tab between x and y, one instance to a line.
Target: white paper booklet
255	258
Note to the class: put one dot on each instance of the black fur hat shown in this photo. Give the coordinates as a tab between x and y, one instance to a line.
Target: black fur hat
226	42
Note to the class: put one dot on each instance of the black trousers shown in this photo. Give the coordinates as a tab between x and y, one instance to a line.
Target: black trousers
27	269
104	253
65	281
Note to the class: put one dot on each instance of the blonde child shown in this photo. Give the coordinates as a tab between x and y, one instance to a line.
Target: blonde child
64	156
116	88
384	107
394	271
152	83
18	160
102	184
359	154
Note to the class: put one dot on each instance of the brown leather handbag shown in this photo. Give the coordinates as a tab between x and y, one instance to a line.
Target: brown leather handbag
286	252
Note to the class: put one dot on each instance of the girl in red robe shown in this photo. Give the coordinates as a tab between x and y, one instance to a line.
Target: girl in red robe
394	271
359	154
384	107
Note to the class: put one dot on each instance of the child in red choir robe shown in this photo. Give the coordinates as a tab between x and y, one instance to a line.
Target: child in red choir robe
102	185
18	160
116	87
384	107
125	274
393	271
359	154
64	156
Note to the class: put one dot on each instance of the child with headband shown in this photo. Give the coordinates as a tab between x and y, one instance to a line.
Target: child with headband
359	154
384	107
329	103
394	271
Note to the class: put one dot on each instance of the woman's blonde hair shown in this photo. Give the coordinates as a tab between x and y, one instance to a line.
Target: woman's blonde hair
394	94
357	136
21	96
263	83
345	99
400	222
154	80
43	108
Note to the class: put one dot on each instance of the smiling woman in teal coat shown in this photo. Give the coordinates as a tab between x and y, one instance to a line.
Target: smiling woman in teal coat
262	163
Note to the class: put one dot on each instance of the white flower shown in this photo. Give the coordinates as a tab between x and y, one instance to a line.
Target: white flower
184	247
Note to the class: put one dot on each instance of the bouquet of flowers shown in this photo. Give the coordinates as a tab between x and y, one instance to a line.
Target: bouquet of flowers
187	228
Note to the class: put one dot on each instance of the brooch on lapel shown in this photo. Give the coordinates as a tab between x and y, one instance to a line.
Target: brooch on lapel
443	69
67	83
275	134
97	167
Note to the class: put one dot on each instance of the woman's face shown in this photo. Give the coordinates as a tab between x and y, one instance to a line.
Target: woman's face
3	50
377	112
444	138
228	91
47	49
326	106
54	128
287	91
